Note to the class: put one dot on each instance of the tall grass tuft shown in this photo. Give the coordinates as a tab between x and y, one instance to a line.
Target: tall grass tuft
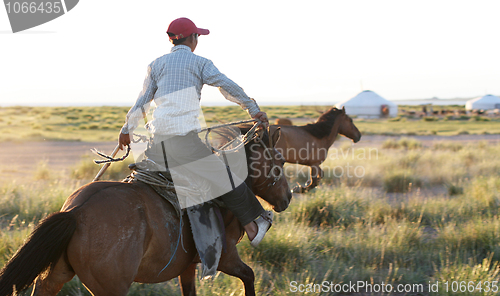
31	202
401	181
467	278
406	143
339	208
410	143
42	171
448	146
12	236
283	251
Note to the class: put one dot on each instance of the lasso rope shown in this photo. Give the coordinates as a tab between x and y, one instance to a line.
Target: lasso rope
142	138
227	124
245	139
109	158
249	136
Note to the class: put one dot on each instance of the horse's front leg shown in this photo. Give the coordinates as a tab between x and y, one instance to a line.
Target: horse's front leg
316	174
231	264
187	280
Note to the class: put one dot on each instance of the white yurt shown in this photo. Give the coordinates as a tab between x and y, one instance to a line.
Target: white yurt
368	104
486	102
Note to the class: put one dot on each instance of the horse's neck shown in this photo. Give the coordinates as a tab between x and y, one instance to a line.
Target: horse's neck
333	133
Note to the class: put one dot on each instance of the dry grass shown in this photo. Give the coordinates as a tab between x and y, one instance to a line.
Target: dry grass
349	229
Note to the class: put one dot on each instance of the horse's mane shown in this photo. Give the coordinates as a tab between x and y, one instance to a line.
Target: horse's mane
323	126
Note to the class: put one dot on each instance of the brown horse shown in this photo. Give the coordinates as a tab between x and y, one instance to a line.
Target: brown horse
308	145
111	234
283	121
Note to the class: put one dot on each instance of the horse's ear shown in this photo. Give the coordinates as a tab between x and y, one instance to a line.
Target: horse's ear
276	135
343	109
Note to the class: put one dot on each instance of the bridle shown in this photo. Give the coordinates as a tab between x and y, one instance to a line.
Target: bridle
251	135
271	178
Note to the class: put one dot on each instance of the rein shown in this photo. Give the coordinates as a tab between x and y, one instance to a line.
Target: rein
272	152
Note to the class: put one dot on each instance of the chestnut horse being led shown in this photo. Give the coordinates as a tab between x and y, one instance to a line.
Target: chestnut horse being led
111	234
308	145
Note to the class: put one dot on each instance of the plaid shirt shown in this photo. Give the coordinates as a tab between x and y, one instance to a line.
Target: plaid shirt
174	81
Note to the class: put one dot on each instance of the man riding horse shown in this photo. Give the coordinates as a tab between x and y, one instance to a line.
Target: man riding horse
174	81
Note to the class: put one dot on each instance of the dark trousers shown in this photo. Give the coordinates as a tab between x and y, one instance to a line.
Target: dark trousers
191	158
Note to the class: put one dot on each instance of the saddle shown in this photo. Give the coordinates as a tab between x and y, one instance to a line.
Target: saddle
205	219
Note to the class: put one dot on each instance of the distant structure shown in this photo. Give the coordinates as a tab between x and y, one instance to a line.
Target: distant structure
487	102
368	104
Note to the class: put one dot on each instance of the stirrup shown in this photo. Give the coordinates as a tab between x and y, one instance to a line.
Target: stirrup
264	222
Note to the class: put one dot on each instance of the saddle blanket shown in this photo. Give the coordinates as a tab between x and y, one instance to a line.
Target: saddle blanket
205	219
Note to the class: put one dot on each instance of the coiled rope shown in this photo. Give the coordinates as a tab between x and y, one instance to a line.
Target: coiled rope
245	139
155	179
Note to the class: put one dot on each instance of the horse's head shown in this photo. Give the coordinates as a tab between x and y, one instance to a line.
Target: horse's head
347	127
265	171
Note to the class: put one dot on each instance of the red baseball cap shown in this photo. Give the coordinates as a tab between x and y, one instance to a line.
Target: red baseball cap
184	27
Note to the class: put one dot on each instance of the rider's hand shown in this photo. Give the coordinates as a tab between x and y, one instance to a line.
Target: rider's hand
123	140
262	116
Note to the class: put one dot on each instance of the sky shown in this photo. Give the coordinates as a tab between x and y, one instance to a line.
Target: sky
280	52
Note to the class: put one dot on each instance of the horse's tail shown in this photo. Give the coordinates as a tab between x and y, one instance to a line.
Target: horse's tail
41	251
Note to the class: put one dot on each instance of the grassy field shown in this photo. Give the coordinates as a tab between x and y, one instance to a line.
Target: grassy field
104	123
405	214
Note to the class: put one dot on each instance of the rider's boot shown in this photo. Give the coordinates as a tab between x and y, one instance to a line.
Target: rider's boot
247	209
